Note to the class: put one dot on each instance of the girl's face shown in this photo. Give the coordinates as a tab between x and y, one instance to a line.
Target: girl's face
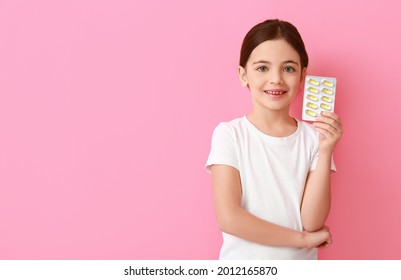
273	74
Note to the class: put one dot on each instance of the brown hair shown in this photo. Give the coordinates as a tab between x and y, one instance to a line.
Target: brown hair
273	29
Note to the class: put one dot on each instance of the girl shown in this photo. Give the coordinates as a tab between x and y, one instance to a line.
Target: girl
270	171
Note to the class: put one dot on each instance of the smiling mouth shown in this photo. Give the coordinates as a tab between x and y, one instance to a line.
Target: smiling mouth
275	92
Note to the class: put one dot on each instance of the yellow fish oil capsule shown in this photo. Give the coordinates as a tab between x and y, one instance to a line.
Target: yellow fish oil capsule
327	91
327	99
311	113
312	89
325	106
312	97
314	82
328	83
311	105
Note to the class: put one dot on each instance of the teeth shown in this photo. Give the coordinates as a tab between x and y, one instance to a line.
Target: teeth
275	92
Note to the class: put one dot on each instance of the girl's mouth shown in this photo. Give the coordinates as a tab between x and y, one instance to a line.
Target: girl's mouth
275	92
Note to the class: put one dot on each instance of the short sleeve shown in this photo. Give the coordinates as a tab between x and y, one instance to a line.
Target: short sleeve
223	147
314	163
315	154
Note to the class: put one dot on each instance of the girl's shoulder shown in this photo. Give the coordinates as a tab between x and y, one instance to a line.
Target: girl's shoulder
232	129
308	131
234	122
232	125
306	126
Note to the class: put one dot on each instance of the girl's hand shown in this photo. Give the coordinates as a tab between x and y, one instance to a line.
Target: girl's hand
317	239
330	128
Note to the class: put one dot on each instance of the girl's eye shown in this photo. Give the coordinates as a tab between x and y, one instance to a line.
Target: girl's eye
289	69
262	69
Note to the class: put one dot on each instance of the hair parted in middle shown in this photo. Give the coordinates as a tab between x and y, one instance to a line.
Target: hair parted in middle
273	29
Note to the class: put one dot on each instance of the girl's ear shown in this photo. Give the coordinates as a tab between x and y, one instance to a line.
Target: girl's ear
303	75
242	76
302	81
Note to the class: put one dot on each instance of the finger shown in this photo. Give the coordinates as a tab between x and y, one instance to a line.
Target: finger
324	134
324	245
333	129
326	129
330	121
331	118
331	115
329	241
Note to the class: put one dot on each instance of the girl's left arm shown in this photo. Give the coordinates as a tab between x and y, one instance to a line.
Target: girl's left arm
316	200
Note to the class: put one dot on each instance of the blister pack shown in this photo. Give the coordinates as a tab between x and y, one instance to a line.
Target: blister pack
319	95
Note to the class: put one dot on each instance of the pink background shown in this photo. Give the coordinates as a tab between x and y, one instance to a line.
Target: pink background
107	110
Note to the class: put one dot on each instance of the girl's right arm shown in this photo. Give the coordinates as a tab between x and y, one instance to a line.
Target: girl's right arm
233	219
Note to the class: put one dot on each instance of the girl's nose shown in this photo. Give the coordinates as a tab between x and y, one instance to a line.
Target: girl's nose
276	78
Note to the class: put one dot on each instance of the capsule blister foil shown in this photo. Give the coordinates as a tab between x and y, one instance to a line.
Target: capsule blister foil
319	95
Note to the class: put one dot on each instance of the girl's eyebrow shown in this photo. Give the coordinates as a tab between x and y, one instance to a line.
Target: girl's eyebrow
284	62
261	61
290	61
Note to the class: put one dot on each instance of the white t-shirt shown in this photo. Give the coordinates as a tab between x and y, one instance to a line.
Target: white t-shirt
273	173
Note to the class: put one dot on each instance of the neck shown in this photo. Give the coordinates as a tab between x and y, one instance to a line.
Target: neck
273	123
